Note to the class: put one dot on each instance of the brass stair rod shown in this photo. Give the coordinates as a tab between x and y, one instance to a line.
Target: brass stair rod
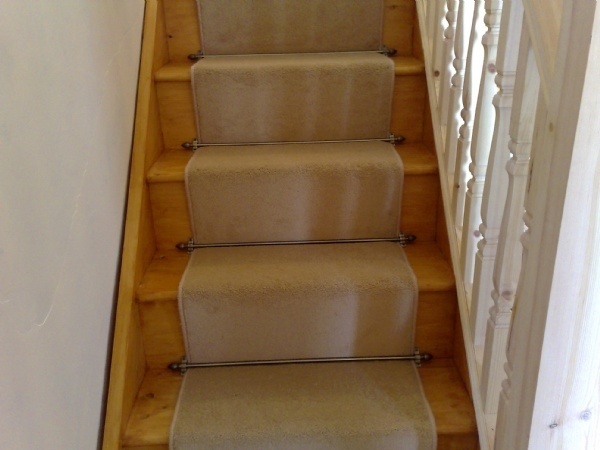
418	357
190	245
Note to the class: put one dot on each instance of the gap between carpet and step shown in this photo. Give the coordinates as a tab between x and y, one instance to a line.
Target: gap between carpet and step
154	407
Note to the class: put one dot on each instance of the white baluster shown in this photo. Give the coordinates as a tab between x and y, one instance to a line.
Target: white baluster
496	179
438	43
461	41
469	100
510	249
447	57
483	131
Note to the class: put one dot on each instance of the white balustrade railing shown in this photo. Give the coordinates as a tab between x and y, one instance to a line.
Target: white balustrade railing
491	98
469	101
461	42
509	254
447	58
496	179
483	128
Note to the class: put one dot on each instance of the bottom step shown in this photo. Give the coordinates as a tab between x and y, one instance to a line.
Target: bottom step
154	407
349	405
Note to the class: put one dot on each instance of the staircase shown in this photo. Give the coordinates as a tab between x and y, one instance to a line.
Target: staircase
153	330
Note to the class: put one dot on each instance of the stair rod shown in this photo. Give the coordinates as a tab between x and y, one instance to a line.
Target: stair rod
418	357
195	144
383	50
402	239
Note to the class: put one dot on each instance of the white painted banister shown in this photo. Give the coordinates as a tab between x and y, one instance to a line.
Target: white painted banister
461	41
447	58
551	399
438	37
509	254
469	101
483	129
533	304
496	179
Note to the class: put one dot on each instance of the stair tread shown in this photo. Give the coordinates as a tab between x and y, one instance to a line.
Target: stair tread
161	280
170	166
152	413
248	303
181	71
375	404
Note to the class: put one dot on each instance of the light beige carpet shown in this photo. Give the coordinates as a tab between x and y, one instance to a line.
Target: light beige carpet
294	192
304	301
358	406
306	97
289	26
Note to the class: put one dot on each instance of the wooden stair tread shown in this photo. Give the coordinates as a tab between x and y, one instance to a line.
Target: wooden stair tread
161	280
151	417
180	71
171	164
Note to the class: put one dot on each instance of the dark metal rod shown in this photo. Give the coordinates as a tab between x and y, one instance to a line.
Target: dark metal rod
184	365
195	144
190	245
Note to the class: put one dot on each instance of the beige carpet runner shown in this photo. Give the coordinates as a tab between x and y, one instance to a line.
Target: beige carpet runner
272	302
271	98
236	27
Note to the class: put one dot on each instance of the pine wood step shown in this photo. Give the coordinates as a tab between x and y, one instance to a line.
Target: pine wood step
169	206
151	417
163	341
161	280
175	101
417	158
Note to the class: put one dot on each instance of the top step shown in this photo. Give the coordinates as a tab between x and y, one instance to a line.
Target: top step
290	26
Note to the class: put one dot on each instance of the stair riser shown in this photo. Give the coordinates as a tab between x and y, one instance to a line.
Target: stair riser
177	109
163	339
172	222
184	35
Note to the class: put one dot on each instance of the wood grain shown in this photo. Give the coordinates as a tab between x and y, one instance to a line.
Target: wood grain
128	359
398	22
183	32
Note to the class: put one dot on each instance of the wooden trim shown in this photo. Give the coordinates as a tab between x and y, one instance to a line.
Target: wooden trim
128	360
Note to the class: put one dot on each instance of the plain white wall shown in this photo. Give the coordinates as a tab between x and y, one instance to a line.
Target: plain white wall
68	73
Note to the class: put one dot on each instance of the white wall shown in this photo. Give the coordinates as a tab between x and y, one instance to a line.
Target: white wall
68	73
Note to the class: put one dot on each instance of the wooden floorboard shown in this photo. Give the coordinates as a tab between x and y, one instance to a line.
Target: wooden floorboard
152	414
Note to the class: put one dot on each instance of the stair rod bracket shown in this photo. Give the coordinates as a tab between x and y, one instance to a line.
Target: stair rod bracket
190	246
196	56
195	144
388	51
417	357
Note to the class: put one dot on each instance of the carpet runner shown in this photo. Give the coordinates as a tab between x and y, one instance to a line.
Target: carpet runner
294	192
307	97
271	302
357	406
289	26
